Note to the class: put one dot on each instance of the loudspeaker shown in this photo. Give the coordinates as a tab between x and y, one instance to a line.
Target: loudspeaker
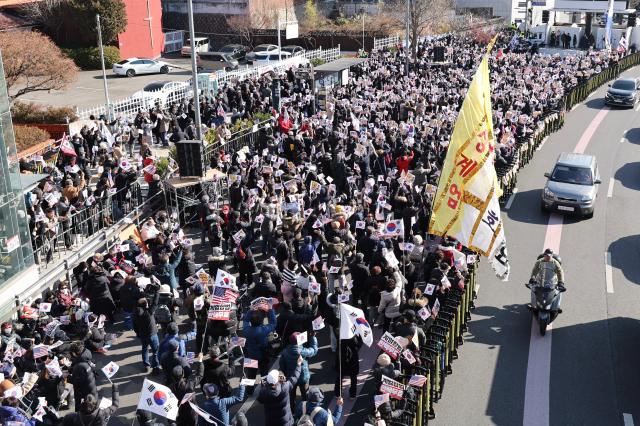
190	158
631	20
545	16
438	54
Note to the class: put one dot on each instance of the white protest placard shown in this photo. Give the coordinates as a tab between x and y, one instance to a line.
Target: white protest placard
318	324
110	369
220	312
390	345
409	356
301	338
105	402
198	303
424	313
248	382
394	388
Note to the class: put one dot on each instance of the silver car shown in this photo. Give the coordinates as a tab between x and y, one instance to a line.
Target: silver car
572	186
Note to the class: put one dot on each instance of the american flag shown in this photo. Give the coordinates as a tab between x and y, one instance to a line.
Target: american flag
250	363
417	380
40	351
222	295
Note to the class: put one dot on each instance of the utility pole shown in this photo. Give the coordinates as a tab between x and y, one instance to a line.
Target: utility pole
104	72
194	72
406	52
362	30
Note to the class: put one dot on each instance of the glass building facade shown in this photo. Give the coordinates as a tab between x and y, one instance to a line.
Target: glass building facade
16	253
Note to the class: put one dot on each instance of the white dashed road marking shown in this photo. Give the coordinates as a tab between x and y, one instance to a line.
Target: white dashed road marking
610	190
608	272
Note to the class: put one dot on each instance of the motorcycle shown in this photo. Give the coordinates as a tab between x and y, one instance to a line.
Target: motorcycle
546	292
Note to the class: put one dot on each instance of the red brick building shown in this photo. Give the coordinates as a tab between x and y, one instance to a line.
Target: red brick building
143	37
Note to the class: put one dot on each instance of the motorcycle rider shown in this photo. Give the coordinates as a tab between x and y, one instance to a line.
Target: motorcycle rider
547	260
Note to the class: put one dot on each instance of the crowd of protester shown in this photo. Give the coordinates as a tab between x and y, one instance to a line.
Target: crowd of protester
304	230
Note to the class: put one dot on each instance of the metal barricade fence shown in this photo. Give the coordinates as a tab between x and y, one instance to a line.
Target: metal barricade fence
85	223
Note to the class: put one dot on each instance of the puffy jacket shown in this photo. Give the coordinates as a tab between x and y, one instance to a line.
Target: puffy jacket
219	407
100	298
390	303
166	272
129	295
12	414
218	373
169	361
82	375
164	345
277	409
144	323
257	336
289	359
322	417
99	417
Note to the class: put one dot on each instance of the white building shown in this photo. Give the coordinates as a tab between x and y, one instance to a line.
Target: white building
510	10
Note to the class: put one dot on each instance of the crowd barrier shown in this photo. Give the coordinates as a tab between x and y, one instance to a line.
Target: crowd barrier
554	120
437	356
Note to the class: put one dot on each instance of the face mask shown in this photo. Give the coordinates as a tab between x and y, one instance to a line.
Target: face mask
7	331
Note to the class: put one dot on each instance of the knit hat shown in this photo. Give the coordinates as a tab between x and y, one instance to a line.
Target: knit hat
177	372
210	390
172	328
172	346
273	377
315	395
383	360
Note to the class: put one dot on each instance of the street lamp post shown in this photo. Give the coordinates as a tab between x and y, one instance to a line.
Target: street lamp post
104	72
194	72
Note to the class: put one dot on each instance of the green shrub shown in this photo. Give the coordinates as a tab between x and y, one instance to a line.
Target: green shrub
317	61
27	136
261	116
30	113
88	58
162	167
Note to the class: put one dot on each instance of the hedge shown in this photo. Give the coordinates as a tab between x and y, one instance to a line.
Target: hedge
27	136
88	58
30	113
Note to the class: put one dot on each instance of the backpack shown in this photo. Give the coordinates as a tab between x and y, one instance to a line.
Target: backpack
307	419
163	314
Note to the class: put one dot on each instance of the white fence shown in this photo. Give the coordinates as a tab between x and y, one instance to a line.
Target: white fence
381	43
178	91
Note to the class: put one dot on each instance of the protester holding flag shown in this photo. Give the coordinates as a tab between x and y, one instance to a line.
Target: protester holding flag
348	364
256	332
218	372
90	412
82	374
182	384
390	300
9	413
144	324
219	406
274	395
298	347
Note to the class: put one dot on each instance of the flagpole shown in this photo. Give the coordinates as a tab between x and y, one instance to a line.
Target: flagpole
339	350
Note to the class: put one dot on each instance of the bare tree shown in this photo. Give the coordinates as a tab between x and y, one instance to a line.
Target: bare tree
33	63
48	13
424	16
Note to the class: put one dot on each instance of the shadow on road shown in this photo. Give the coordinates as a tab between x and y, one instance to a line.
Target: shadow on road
628	175
595	103
633	135
625	253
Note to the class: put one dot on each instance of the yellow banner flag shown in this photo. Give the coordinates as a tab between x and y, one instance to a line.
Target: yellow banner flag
466	204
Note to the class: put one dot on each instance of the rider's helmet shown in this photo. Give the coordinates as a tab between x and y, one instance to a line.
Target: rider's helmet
548	252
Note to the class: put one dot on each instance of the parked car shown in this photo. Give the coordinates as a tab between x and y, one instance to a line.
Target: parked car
214	61
572	186
264	58
202	45
261	49
163	92
134	66
293	49
623	91
236	51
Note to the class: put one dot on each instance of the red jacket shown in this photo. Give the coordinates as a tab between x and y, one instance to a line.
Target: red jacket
403	162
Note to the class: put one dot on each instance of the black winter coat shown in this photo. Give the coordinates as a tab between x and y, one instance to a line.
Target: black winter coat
144	323
82	376
97	289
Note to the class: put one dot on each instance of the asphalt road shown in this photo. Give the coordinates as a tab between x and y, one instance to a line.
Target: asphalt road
585	368
87	90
